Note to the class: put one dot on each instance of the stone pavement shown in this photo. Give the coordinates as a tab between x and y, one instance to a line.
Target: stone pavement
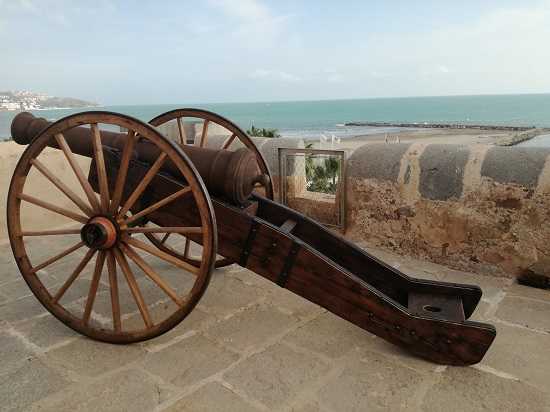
251	346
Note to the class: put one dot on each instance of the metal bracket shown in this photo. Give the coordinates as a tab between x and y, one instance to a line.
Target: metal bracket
248	244
285	273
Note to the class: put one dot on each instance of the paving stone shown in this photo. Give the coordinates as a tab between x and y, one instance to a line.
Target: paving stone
276	375
526	312
45	331
78	290
41	248
490	286
251	327
18	289
8	269
91	358
291	303
160	312
29	383
329	335
374	384
468	389
481	313
227	294
528	292
310	406
21	309
189	360
14	352
127	390
521	353
212	398
276	296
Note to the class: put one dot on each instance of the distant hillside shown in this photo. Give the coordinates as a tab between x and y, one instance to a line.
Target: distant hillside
27	100
65	102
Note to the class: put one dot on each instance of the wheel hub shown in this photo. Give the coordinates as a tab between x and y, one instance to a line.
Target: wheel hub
99	233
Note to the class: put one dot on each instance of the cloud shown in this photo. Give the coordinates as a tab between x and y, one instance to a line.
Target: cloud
246	10
274	75
256	25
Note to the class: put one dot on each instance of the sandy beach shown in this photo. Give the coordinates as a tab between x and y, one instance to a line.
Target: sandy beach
432	136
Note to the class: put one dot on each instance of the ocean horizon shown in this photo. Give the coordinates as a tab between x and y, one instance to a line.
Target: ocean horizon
310	119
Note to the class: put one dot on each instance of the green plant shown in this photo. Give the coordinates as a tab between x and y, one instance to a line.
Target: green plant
321	177
263	132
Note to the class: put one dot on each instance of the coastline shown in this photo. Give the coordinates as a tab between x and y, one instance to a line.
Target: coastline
464	136
498	137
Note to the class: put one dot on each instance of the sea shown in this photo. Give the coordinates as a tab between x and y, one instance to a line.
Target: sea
313	119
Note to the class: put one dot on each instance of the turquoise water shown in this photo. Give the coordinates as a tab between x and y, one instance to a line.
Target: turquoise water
310	119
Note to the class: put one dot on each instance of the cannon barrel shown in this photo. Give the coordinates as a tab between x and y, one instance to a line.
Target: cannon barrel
227	174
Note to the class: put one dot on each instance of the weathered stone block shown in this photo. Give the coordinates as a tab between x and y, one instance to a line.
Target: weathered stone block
45	331
227	294
251	327
468	389
91	358
526	312
212	398
373	384
328	335
276	375
189	361
522	353
127	390
14	352
29	383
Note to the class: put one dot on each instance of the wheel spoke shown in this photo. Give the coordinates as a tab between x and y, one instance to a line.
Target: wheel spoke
186	248
157	205
90	194
165	237
74	275
100	261
134	288
148	270
123	171
204	135
100	166
228	142
161	255
113	282
181	129
193	230
57	257
143	184
53	208
51	232
62	186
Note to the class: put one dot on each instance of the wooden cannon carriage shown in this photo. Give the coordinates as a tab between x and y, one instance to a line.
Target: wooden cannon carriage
149	199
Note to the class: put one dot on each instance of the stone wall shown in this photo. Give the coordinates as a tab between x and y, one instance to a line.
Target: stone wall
33	217
477	208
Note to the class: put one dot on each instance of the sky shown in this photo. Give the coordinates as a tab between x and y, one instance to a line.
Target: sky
154	52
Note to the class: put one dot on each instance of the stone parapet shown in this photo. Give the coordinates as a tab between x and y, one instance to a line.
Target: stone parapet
478	208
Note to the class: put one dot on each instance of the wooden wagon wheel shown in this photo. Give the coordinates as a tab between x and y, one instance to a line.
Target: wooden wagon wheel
235	135
142	303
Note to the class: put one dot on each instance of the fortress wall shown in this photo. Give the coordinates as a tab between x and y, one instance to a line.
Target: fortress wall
477	208
33	217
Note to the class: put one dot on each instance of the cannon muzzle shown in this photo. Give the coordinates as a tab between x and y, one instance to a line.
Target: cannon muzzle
227	174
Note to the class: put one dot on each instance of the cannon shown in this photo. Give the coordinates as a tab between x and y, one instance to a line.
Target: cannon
147	199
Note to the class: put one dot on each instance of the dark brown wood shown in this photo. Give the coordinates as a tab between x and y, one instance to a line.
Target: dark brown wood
342	284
